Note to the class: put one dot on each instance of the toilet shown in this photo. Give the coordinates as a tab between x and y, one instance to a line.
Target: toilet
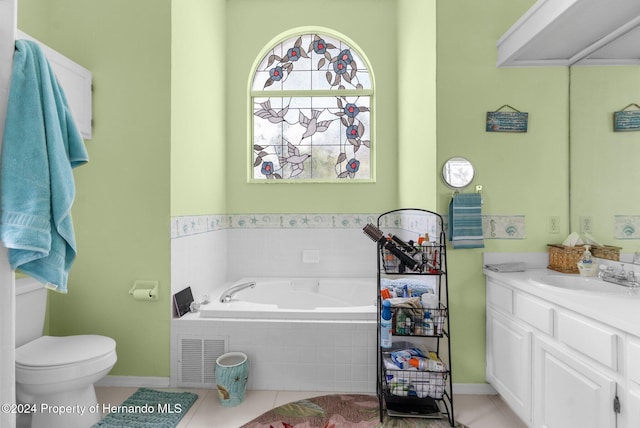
55	375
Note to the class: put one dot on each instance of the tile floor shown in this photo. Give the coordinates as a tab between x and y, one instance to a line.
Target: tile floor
476	411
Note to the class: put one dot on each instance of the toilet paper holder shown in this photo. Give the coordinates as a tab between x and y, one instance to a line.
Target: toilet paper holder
144	290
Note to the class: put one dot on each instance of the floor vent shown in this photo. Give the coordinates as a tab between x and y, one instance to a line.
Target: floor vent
197	359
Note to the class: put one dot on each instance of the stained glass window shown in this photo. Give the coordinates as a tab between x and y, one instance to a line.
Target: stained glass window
311	100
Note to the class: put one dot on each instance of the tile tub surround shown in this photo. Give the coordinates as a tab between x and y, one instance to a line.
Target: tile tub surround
208	252
293	355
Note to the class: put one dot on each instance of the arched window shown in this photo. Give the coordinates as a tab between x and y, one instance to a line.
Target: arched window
312	111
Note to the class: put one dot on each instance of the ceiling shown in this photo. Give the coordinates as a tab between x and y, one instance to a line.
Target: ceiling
573	32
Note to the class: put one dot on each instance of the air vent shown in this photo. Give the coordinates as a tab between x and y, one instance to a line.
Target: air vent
197	359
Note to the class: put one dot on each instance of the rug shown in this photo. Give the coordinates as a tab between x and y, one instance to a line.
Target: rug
338	411
148	408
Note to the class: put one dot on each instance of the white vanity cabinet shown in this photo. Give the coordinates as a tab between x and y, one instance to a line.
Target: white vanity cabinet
570	392
76	81
631	411
556	367
509	346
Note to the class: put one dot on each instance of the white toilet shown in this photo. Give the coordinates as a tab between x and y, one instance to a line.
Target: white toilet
56	374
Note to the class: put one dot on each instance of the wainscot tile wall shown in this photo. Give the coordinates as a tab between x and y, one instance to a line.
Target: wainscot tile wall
208	250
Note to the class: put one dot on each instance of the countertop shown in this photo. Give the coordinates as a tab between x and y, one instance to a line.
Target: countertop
621	311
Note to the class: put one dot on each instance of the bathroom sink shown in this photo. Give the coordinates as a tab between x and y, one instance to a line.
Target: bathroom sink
580	283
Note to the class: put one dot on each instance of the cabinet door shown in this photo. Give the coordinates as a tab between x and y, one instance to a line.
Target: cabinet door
76	84
632	407
509	362
569	392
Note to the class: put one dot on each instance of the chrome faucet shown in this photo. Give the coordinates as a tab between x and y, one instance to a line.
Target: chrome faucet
622	277
228	294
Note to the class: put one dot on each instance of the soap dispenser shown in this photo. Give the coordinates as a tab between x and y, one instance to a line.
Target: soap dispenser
586	266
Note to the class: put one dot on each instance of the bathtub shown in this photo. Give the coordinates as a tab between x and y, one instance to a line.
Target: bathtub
334	299
300	334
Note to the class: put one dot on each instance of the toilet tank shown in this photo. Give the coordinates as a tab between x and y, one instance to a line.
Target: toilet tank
31	304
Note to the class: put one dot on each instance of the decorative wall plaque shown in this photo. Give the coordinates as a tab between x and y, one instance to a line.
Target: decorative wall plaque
507	121
627	120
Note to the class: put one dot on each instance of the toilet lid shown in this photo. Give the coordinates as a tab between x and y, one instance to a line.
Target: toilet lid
49	351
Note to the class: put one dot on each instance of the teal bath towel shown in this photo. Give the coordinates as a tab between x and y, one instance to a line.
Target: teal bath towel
465	221
41	145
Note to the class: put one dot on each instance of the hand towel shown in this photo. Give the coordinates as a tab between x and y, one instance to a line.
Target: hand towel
465	221
41	145
507	267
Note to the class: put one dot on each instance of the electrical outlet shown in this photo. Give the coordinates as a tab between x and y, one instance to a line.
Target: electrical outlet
586	224
310	256
553	224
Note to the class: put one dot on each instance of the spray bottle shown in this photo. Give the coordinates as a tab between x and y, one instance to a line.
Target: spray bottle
385	325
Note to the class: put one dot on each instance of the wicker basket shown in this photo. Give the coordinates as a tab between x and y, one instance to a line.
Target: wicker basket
565	259
608	252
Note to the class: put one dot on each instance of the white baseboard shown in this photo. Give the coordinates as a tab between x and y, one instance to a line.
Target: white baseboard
163	382
474	389
134	381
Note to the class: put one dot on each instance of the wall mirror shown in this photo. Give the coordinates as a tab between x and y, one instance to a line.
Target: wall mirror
457	172
604	171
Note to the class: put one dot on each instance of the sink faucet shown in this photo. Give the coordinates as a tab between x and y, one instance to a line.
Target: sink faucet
622	277
228	294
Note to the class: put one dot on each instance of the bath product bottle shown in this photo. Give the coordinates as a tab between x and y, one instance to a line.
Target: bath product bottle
424	364
385	325
401	318
427	324
408	328
429	300
586	266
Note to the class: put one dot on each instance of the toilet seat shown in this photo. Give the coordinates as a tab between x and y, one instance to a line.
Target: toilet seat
52	359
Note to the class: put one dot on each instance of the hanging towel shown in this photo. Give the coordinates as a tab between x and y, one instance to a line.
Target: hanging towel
465	221
41	144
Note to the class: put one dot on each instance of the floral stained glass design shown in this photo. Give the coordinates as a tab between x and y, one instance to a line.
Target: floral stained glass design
311	97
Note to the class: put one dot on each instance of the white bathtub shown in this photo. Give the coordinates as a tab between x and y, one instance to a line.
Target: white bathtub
334	299
300	334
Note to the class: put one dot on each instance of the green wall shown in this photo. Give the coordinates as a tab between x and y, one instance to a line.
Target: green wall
520	173
371	25
198	117
121	212
170	138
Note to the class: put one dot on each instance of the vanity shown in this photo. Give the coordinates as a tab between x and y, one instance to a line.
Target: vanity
562	351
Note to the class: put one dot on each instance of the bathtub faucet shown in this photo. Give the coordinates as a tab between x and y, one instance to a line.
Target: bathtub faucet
227	295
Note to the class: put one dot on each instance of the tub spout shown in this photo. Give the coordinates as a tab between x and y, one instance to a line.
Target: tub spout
227	295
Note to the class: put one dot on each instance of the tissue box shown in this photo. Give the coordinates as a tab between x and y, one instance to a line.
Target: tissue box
565	259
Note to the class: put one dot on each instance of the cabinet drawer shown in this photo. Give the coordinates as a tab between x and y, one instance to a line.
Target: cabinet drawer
500	296
590	338
534	312
633	357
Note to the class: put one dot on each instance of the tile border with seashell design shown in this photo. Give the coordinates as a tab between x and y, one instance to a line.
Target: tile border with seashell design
494	226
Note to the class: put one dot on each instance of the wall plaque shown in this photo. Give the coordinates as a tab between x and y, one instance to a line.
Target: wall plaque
507	121
627	120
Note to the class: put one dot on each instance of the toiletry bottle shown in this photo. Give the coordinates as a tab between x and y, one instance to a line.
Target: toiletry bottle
408	328
586	267
401	318
385	325
424	364
427	324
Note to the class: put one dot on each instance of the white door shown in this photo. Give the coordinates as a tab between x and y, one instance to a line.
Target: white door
509	362
569	392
